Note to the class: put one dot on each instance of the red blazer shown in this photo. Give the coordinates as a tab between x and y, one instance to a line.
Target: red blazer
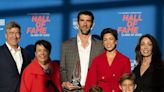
34	79
105	76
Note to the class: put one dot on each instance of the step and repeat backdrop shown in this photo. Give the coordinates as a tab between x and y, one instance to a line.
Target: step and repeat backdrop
55	21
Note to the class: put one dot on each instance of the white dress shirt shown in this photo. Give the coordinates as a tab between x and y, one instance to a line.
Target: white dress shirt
84	55
17	55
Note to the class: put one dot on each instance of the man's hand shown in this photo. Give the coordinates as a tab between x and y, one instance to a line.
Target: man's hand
70	86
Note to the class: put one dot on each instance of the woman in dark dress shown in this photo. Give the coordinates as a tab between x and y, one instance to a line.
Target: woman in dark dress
149	71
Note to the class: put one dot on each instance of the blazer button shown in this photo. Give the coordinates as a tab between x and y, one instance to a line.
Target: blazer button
103	77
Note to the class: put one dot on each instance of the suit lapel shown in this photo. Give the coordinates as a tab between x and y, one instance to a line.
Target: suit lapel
93	48
24	61
75	51
10	59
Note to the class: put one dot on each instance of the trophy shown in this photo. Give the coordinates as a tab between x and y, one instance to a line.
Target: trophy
76	75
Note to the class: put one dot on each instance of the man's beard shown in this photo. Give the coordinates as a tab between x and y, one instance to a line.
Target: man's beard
85	33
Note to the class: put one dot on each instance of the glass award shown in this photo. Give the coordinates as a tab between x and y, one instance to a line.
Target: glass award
76	75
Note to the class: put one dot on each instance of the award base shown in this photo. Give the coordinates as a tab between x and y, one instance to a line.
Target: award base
76	83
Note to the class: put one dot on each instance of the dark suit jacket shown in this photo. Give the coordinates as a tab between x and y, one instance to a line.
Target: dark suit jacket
70	56
9	75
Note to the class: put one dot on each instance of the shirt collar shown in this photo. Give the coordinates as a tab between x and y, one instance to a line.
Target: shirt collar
79	41
11	49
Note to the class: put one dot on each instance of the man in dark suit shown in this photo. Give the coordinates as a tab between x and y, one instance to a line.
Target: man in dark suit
13	59
79	50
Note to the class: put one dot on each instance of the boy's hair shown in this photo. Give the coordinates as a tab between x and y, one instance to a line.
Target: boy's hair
127	76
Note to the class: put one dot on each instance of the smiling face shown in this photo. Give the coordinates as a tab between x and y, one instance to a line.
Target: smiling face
109	42
85	24
42	54
127	86
146	47
13	37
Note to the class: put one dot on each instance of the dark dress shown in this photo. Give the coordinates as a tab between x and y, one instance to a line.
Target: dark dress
151	81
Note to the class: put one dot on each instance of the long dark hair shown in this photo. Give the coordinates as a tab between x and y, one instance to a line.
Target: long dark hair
156	53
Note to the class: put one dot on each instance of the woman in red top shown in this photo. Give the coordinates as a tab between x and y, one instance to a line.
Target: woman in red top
107	68
41	75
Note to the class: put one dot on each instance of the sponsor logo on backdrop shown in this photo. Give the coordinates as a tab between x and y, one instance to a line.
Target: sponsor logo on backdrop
2	24
130	21
74	23
39	28
133	63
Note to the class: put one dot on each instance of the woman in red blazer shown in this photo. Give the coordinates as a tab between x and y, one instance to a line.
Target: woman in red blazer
41	75
107	68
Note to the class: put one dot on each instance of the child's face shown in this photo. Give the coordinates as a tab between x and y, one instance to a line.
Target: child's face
127	86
